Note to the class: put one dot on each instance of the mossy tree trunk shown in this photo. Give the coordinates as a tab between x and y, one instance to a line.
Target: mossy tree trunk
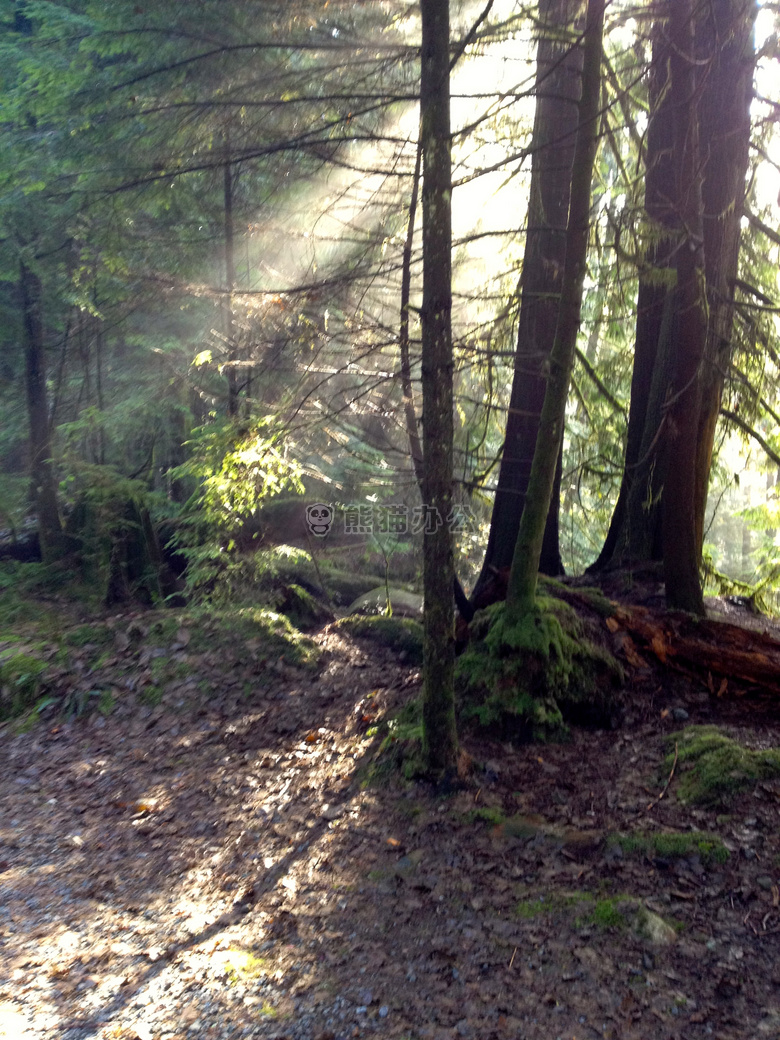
44	490
521	594
440	742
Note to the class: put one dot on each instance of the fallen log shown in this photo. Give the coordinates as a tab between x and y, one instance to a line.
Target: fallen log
714	650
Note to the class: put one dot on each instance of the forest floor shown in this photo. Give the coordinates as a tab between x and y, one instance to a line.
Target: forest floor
203	857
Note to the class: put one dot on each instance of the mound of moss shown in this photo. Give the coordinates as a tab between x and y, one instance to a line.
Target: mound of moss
531	679
303	609
667	845
713	767
274	636
399	633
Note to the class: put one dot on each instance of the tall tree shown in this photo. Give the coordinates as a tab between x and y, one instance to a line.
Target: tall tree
525	563
558	84
718	88
44	484
440	740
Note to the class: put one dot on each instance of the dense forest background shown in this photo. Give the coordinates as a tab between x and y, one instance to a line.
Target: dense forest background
211	279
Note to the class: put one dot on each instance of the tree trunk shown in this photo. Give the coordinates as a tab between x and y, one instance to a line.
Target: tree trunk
525	563
230	285
681	557
727	44
723	49
44	491
410	412
634	532
558	83
440	742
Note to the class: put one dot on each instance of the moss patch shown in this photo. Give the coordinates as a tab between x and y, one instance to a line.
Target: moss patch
708	847
401	634
713	767
552	904
21	679
303	609
532	678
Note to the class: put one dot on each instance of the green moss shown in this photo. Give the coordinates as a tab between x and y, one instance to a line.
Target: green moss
713	767
270	635
21	679
302	609
608	915
400	634
708	847
553	904
97	635
400	752
534	677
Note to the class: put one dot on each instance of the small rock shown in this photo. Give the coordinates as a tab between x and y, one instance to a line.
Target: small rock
384	1011
680	715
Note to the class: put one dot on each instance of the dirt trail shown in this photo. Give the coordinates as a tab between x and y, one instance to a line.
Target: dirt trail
212	867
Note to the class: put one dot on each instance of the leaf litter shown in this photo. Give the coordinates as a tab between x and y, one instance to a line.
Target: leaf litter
211	862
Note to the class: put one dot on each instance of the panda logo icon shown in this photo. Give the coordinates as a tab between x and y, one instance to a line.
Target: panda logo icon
319	517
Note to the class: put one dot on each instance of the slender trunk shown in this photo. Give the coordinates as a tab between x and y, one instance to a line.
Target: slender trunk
681	556
44	490
525	563
558	84
440	742
410	412
230	285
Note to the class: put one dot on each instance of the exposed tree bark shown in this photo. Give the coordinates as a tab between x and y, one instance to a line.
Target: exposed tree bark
410	412
558	82
726	42
44	491
440	742
523	576
680	551
634	531
722	49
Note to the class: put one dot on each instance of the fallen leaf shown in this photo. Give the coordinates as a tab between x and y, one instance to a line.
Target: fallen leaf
612	624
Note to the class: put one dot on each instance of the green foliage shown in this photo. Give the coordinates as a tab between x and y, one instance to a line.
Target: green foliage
237	466
713	768
532	677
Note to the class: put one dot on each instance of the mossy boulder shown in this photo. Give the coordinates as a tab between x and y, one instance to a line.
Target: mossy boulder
401	634
712	767
531	679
